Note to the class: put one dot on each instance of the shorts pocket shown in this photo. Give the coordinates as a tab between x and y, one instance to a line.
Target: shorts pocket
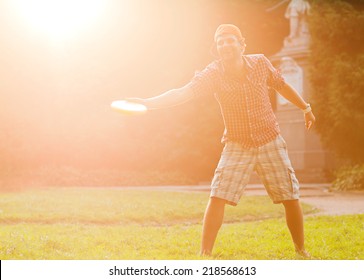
283	144
293	179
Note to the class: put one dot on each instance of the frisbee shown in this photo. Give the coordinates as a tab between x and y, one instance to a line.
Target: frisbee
128	107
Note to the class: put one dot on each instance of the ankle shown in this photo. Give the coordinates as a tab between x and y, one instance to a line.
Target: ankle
205	253
303	254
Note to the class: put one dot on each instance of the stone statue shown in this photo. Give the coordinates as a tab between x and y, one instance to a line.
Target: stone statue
297	12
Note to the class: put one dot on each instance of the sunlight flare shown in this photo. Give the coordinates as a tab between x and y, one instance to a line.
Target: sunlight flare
59	19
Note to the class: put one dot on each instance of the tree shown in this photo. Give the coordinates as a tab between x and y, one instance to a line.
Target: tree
337	75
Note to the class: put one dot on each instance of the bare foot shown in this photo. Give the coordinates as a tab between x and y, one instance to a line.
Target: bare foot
303	255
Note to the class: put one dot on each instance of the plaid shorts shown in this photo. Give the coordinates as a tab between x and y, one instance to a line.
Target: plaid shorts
270	161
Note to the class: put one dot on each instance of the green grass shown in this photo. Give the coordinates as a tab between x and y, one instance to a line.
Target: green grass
79	223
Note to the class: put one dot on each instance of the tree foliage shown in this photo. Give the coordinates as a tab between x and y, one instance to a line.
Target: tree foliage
337	75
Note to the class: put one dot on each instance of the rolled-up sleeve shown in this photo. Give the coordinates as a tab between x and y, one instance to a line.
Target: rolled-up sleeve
205	82
275	79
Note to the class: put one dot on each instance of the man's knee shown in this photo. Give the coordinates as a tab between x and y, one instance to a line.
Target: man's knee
217	202
292	207
291	203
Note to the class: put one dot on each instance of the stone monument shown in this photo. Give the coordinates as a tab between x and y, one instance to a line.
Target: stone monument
297	13
308	157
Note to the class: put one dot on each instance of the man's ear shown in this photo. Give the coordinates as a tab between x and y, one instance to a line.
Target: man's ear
242	43
242	46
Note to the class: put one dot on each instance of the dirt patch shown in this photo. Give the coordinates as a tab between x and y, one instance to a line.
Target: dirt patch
337	203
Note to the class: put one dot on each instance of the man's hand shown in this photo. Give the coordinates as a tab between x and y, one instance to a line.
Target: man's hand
142	101
309	120
135	100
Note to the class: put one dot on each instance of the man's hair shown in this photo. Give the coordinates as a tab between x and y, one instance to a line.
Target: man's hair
228	29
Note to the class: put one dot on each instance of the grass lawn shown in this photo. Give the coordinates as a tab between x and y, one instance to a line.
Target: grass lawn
91	223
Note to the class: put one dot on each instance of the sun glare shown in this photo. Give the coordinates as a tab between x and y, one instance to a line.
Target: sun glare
59	18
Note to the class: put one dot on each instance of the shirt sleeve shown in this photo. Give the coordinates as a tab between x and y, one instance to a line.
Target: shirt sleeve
205	82
275	78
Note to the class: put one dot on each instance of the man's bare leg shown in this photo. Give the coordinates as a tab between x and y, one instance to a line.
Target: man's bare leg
212	222
294	219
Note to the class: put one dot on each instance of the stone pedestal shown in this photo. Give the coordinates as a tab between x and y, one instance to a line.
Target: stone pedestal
310	160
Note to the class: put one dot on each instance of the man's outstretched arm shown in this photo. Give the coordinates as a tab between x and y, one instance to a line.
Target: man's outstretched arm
289	93
167	99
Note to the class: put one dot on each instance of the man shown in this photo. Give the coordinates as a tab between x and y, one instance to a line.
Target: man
252	139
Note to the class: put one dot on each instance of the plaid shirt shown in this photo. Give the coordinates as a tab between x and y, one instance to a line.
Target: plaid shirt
244	102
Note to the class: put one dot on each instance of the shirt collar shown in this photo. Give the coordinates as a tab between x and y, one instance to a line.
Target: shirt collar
247	65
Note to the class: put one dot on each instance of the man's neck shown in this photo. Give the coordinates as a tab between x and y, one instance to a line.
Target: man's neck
236	66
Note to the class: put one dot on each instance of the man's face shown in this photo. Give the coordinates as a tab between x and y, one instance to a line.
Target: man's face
229	48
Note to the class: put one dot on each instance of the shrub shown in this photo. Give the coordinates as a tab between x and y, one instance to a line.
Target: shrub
349	178
71	176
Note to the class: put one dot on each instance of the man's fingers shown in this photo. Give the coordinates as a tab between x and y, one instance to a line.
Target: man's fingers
308	125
